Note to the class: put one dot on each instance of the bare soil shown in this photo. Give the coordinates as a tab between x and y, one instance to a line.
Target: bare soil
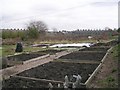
49	51
25	57
104	49
96	56
23	83
51	71
58	70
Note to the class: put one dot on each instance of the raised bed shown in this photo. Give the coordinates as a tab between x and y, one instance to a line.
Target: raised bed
18	59
49	51
99	44
24	83
52	71
111	43
104	49
26	58
58	70
79	55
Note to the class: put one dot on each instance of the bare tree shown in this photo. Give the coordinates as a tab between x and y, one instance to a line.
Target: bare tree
38	25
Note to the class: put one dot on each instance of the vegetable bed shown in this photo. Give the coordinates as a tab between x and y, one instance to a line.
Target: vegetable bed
78	55
104	49
58	70
24	57
52	71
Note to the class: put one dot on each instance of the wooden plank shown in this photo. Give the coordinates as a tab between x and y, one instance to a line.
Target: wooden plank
35	59
92	51
37	79
97	69
77	61
43	80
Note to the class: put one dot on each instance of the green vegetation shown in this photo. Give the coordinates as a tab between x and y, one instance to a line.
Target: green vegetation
32	33
108	82
111	81
118	50
13	34
10	49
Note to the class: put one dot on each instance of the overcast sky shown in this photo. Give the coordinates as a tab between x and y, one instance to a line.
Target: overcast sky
60	14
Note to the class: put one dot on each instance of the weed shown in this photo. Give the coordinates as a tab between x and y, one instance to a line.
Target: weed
110	79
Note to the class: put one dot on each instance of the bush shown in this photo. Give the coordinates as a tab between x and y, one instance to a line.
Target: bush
32	33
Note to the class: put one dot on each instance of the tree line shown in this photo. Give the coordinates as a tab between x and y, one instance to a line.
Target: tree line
39	30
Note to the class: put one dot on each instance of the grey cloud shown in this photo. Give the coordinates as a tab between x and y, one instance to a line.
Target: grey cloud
62	14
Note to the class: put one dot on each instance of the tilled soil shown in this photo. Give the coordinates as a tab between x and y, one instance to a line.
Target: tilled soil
51	71
14	82
25	57
100	44
48	51
97	56
23	83
58	70
104	49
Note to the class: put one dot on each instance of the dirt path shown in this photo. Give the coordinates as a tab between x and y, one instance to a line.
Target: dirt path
107	77
20	68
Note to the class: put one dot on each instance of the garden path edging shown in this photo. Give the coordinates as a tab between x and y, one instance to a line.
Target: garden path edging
97	69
